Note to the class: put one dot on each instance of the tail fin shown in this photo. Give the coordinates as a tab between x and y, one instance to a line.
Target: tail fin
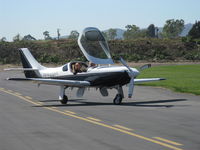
28	61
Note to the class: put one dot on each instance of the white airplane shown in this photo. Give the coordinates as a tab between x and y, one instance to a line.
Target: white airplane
103	77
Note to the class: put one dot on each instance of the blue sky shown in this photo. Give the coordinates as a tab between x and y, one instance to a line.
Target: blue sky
36	16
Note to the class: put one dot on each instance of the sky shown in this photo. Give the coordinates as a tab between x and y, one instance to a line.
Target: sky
36	16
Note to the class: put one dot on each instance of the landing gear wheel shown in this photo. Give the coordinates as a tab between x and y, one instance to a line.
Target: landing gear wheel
118	99
64	100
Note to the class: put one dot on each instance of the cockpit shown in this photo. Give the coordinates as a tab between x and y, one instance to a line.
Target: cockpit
94	46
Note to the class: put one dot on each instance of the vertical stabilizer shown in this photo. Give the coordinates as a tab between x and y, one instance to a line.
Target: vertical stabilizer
28	61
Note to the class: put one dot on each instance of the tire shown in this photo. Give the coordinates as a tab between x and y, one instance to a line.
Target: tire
118	99
64	100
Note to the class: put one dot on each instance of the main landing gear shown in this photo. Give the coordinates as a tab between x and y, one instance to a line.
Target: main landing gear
64	100
62	97
118	98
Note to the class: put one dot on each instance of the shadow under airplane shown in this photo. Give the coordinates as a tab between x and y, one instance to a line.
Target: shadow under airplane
82	102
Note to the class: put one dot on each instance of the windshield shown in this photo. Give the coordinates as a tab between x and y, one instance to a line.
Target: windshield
94	45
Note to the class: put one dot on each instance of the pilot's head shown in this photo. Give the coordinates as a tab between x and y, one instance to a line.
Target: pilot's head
91	64
77	66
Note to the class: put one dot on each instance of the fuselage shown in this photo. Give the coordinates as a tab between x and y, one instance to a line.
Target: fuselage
101	76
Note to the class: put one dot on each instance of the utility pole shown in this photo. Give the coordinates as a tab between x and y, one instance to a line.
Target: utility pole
58	33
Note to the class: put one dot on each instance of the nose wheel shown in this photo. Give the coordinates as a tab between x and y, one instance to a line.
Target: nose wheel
118	99
64	100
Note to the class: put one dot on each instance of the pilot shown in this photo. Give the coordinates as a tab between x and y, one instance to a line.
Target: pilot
91	65
78	68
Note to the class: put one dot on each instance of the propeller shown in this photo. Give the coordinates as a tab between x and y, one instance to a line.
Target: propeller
131	75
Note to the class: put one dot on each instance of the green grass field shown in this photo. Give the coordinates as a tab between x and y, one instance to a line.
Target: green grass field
180	78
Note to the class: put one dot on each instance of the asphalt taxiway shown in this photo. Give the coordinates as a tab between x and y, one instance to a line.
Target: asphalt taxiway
154	119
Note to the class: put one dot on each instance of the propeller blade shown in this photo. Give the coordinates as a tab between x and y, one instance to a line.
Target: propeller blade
131	74
145	67
125	64
131	87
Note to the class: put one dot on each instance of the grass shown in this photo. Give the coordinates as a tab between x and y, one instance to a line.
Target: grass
180	78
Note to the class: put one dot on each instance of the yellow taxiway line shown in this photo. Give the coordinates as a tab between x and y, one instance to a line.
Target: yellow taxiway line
122	127
94	119
71	112
167	141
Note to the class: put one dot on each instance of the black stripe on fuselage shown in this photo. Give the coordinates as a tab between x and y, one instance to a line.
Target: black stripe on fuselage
107	79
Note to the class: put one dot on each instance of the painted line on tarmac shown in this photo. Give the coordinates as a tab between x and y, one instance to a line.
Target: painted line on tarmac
9	90
122	127
21	97
41	103
18	93
94	119
94	122
28	97
71	112
54	107
168	141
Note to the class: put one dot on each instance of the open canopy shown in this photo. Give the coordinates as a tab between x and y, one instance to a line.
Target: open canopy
94	46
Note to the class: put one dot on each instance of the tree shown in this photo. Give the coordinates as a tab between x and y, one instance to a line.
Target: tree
151	31
132	28
3	39
73	35
194	33
132	32
142	33
112	33
28	38
173	28
47	35
17	38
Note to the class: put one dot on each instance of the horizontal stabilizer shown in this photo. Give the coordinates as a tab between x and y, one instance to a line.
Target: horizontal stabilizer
20	69
145	67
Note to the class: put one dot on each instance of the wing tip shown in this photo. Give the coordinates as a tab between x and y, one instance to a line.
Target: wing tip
162	79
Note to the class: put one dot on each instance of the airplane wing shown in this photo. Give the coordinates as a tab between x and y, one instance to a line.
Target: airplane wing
148	80
71	83
20	69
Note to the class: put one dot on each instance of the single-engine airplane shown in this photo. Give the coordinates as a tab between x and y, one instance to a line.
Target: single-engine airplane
103	76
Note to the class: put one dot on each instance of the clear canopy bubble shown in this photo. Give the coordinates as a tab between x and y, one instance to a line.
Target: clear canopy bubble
94	46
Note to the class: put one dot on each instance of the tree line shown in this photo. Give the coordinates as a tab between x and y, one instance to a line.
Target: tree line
172	29
137	44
